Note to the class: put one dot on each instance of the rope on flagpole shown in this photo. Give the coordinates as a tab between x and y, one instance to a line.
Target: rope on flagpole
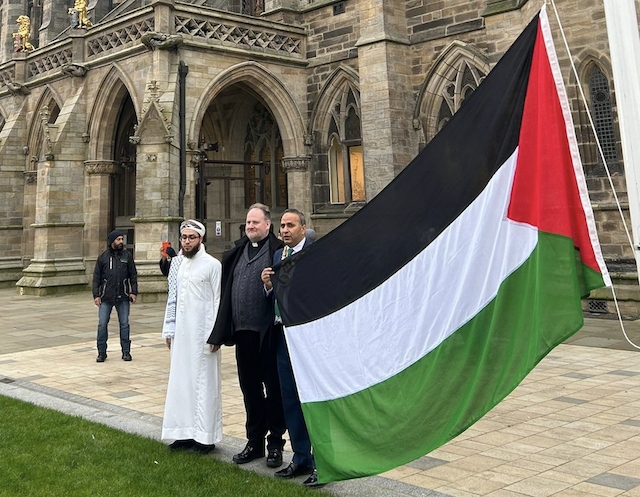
604	161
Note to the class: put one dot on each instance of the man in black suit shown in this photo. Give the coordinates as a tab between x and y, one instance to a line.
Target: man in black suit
292	231
245	318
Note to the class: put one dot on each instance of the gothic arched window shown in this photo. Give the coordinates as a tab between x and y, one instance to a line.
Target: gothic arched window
264	143
603	115
454	76
346	171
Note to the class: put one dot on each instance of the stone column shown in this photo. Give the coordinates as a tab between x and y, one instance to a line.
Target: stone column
58	264
58	260
158	163
55	19
298	183
157	188
12	198
10	227
156	214
28	216
385	75
11	10
97	203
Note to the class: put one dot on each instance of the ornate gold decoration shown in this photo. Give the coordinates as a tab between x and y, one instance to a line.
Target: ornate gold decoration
79	15
22	39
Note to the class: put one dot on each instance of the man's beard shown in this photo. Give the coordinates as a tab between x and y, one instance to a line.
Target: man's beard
194	250
118	246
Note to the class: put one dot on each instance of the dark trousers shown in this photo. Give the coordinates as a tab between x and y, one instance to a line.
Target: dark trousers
298	434
258	377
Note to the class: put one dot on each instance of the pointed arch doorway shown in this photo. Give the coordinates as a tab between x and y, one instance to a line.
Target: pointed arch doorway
241	163
123	182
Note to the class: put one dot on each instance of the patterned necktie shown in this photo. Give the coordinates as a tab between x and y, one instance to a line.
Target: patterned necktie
286	252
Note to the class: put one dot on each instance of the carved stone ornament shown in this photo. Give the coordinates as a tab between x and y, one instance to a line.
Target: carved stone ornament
152	157
75	70
416	124
30	177
151	115
17	88
100	167
290	164
47	144
161	41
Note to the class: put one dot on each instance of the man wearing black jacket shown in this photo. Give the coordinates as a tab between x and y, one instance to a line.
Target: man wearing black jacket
245	318
115	284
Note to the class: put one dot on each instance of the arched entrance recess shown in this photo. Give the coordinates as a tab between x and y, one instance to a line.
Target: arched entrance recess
245	130
112	164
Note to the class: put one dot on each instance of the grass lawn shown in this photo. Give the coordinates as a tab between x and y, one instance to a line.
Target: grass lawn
47	453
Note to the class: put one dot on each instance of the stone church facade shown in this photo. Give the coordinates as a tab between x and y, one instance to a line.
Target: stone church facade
160	110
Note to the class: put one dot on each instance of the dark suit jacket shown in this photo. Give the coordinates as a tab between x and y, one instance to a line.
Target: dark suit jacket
223	330
277	258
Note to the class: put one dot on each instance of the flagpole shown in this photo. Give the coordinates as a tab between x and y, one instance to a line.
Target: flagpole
624	47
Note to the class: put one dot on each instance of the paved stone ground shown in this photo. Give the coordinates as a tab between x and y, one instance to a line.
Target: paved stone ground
572	428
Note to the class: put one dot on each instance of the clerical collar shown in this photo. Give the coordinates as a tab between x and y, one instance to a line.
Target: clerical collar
260	243
255	247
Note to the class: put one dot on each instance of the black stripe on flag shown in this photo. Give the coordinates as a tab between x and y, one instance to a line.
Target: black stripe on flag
425	198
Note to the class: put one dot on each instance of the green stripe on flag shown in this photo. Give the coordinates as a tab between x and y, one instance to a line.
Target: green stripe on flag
408	415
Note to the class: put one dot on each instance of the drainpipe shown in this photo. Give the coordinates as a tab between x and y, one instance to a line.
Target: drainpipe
183	71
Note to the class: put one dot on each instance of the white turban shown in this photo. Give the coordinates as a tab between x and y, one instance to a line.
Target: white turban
192	224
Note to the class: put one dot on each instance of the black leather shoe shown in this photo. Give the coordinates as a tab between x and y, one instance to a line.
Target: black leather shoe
181	444
126	356
199	448
293	470
101	357
312	481
274	458
248	454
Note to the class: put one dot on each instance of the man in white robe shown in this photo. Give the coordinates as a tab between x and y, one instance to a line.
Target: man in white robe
193	407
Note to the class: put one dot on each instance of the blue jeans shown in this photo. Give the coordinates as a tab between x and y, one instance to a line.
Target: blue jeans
104	313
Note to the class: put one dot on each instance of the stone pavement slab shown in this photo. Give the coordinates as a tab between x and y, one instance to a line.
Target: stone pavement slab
571	428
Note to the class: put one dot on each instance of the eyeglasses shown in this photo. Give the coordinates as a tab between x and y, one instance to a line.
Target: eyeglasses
189	237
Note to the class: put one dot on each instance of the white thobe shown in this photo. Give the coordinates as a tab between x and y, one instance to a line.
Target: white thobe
193	407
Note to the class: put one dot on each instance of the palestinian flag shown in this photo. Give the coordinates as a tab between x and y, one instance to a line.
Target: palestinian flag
410	321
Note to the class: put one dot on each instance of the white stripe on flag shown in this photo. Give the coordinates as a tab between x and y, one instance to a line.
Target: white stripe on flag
413	311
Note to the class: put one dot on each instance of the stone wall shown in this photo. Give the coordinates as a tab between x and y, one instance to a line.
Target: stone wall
385	50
